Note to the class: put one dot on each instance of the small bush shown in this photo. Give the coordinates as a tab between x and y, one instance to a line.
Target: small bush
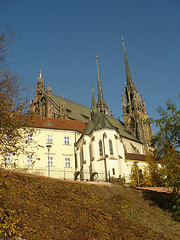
176	208
9	224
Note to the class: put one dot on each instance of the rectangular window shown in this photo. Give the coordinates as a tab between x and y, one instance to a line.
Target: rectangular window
30	138
50	161
8	159
29	160
110	147
67	162
113	171
66	140
49	139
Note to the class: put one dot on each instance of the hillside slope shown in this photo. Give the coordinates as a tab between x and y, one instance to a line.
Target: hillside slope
56	209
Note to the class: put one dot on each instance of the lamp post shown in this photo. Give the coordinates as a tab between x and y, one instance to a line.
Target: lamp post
48	148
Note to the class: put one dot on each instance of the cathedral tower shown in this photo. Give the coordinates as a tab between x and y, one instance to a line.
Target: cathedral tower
44	105
101	104
134	111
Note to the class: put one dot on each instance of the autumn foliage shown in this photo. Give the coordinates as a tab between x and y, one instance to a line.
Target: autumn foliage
13	107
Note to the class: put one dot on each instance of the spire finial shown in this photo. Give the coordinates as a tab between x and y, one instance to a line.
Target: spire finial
40	76
49	88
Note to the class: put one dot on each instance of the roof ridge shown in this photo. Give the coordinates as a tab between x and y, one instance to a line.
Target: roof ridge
70	100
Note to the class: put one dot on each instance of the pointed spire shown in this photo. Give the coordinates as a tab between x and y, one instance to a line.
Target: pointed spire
40	81
128	74
100	93
93	102
49	88
93	105
123	104
40	74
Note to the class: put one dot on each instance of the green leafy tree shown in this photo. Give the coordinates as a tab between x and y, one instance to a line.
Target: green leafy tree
166	144
152	173
136	176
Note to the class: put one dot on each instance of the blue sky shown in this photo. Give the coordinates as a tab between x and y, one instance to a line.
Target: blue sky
62	37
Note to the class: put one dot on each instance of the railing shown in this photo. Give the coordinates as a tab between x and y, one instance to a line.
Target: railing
69	174
66	174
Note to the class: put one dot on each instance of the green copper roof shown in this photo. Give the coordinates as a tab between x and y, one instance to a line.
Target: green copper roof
103	121
75	111
99	122
124	132
79	112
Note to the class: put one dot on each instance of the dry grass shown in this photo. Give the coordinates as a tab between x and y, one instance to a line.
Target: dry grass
55	209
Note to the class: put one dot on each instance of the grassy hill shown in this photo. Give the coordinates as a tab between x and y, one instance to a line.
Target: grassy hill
56	209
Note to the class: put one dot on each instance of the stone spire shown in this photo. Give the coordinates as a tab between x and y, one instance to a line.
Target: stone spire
40	82
134	111
128	74
100	93
93	105
102	105
48	91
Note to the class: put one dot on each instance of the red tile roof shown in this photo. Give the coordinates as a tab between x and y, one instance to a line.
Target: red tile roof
57	123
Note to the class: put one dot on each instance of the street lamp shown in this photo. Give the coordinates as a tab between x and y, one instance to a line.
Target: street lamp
48	148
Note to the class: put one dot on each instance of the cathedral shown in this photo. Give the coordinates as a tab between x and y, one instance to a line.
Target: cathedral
106	147
47	104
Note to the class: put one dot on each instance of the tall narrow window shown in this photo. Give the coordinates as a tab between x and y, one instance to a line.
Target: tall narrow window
49	139
50	161
67	162
29	160
110	147
8	159
100	148
113	171
66	140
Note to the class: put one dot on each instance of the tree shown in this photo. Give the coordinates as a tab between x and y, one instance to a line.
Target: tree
152	172
166	144
14	123
136	176
13	109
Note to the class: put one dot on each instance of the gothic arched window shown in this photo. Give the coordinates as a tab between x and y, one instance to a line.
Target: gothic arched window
100	148
110	147
132	124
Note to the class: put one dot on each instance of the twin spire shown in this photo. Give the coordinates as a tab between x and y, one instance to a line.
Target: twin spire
101	105
132	99
128	74
100	92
